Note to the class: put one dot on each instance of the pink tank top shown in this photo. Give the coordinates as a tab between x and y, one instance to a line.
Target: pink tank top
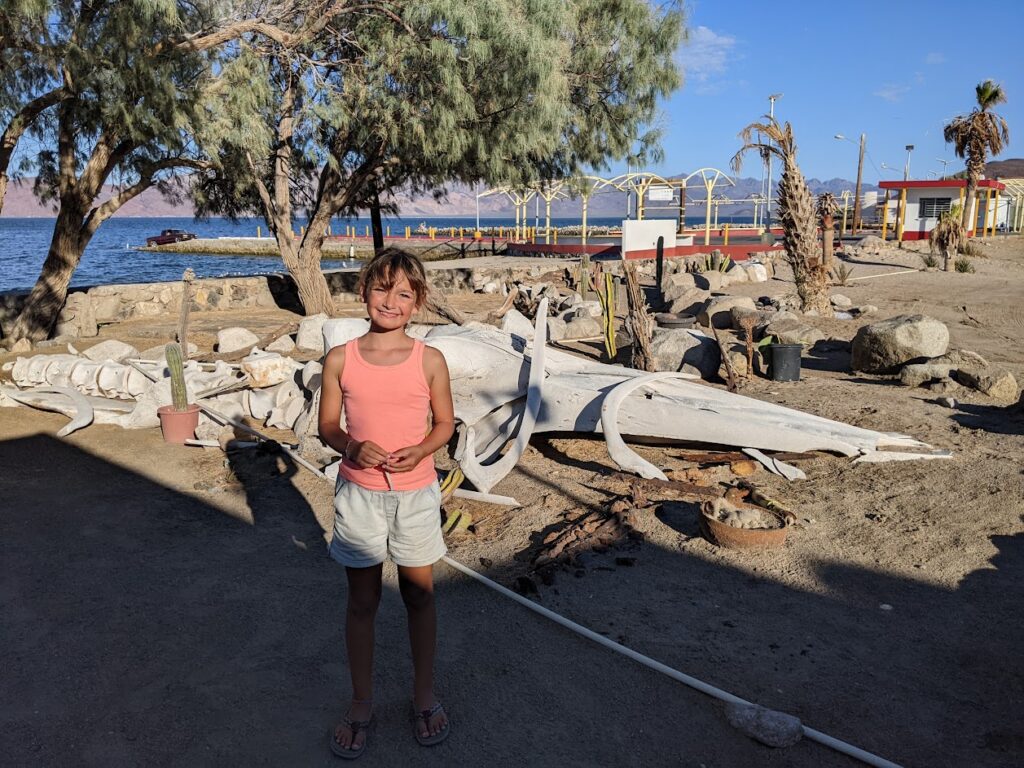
390	405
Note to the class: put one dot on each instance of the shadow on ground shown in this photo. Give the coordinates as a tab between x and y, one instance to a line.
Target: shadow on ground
143	625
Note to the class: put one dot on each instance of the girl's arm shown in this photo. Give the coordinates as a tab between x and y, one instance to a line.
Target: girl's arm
442	414
364	453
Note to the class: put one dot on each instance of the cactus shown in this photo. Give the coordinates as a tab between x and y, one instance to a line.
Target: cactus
179	392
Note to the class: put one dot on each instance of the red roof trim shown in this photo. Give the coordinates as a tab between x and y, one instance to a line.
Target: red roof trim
938	183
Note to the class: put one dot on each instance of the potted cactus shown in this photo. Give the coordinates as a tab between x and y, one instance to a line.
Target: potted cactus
179	420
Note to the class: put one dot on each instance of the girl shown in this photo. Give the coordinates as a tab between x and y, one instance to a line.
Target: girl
398	411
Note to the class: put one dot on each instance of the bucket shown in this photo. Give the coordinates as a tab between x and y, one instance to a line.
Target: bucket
784	362
178	426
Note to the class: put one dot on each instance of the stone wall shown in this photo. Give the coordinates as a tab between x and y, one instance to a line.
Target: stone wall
88	308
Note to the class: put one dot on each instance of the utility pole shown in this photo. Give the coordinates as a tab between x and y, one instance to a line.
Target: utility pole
860	175
906	168
771	113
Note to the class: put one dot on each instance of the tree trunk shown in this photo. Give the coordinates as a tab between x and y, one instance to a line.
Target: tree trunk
45	301
813	289
376	225
827	235
947	251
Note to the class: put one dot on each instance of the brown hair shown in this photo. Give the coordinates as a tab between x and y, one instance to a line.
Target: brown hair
384	269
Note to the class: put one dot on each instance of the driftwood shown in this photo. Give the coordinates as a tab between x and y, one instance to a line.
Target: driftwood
733	381
238	354
638	321
438	304
728	457
594	531
676	486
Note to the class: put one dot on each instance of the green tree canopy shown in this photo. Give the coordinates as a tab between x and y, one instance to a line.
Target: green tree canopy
413	96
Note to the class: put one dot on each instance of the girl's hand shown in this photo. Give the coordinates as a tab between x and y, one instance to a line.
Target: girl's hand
405	459
366	453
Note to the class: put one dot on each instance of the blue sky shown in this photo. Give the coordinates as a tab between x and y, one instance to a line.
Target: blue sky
895	70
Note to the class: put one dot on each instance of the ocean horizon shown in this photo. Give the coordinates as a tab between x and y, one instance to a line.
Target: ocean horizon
111	258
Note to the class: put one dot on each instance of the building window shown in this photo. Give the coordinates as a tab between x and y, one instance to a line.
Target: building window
933	207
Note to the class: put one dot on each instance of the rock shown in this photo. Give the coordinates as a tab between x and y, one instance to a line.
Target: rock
775	729
709	281
738	358
235	339
556	328
684	349
737	274
871	244
866	309
944	387
583	327
916	374
789	330
947	402
885	346
341	330
517	324
266	369
690	303
677	284
283	344
761	318
756	273
310	336
962	359
997	383
111	349
717	310
841	302
21	345
490	287
587	308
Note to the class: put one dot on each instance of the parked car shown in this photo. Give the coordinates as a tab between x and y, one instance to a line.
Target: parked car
170	236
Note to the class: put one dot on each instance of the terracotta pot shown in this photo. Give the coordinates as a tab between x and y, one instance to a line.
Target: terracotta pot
178	426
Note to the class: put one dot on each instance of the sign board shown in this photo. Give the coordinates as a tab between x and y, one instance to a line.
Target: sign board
660	193
643	235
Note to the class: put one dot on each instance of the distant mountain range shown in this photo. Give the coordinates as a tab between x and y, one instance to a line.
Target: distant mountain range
461	200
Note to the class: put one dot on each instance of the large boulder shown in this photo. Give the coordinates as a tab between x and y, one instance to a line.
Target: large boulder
789	330
677	284
690	303
583	327
756	273
718	310
310	336
517	324
710	281
956	361
997	383
235	339
684	349
886	346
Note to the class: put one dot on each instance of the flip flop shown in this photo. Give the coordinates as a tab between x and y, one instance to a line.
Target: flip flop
424	716
355	726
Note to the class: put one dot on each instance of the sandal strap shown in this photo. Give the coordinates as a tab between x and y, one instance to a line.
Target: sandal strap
426	714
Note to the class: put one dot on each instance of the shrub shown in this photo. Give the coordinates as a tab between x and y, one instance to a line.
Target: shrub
963	264
967	248
931	261
841	273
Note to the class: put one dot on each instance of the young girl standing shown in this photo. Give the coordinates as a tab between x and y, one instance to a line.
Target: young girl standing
398	410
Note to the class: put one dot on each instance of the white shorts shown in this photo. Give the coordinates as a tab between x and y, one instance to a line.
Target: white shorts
371	525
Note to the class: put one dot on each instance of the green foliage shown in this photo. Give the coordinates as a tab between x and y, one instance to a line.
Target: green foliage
176	368
841	273
963	264
967	248
930	260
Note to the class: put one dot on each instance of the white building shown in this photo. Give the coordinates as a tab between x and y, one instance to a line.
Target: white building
920	203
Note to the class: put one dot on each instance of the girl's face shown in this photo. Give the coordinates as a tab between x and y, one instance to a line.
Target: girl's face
391	308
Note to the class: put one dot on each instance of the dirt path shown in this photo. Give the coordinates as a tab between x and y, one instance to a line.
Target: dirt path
163	606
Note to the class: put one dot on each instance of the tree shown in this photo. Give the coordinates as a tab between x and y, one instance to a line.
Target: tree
412	96
826	207
109	89
796	212
973	136
947	235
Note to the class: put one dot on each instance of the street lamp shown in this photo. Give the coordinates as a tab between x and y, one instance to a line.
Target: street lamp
906	168
771	113
944	164
860	173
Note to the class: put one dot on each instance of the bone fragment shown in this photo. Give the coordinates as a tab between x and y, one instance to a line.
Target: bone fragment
70	402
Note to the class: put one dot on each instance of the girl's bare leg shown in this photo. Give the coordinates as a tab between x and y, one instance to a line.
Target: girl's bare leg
417	587
364	588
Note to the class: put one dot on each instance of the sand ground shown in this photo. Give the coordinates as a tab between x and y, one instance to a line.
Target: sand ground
170	606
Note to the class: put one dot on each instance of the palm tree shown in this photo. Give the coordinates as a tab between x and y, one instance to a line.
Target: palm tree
975	135
826	208
796	212
948	234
